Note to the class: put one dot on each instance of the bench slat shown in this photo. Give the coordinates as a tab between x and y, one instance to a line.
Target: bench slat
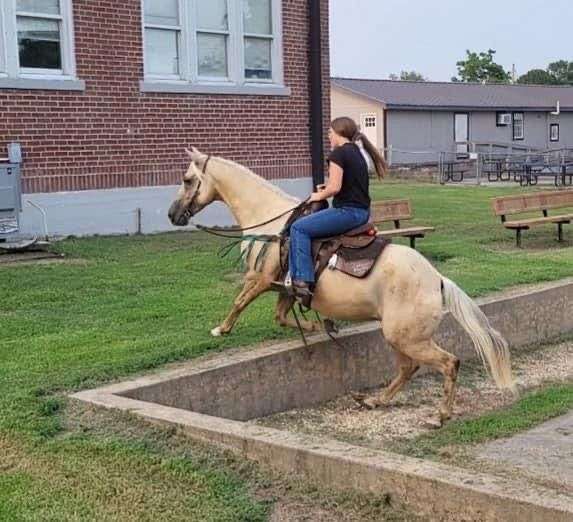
508	205
566	218
405	232
391	210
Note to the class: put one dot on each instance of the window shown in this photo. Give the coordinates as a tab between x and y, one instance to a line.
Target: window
369	122
223	45
518	126
36	41
162	37
554	132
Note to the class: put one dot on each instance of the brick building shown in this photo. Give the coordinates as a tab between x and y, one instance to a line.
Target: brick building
105	95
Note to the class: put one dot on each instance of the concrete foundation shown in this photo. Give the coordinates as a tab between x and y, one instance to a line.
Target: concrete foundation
115	211
209	398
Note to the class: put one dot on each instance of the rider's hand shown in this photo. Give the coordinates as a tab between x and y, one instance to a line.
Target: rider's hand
315	196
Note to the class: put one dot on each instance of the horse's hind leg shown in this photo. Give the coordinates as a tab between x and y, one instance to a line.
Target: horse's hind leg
407	367
430	354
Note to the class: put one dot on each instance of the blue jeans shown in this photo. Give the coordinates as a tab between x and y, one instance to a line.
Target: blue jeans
326	223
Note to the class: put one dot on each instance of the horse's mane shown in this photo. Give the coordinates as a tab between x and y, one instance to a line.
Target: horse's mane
261	181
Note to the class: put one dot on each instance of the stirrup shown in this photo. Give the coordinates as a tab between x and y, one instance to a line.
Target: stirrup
303	295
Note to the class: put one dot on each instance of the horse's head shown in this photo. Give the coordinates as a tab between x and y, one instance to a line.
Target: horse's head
196	192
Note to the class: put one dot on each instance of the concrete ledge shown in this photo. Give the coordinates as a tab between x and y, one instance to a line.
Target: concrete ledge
248	384
43	84
430	489
180	87
261	382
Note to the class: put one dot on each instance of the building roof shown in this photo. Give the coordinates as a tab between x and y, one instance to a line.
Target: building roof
444	95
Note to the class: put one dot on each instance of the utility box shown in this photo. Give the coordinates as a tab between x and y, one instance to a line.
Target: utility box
10	200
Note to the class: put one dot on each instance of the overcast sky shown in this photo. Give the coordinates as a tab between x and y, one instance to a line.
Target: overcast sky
373	38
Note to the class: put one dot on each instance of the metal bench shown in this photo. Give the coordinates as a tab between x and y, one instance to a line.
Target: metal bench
454	171
395	211
539	202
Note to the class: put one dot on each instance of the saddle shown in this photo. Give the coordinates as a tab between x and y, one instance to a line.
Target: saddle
354	253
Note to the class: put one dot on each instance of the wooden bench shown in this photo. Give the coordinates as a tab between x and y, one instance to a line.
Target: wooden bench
539	202
396	211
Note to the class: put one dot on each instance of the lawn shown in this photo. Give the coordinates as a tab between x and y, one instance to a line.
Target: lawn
125	305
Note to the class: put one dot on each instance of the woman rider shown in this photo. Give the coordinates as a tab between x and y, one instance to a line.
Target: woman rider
348	183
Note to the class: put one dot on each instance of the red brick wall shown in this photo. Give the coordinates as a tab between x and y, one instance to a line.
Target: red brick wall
112	135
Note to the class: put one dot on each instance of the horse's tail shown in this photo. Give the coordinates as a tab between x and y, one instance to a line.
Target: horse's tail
489	343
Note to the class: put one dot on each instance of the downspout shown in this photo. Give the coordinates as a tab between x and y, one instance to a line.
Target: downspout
316	114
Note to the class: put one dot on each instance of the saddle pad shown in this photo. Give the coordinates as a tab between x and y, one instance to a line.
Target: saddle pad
358	262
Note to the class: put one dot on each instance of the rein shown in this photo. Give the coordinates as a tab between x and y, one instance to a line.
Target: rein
218	231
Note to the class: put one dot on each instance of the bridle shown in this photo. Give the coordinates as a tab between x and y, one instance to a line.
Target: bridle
187	213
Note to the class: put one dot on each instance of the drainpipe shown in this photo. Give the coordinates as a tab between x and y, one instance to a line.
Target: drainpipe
316	130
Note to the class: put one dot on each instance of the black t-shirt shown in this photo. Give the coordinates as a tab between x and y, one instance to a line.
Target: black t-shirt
354	191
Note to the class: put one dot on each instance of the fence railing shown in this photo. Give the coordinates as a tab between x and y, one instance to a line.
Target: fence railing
496	161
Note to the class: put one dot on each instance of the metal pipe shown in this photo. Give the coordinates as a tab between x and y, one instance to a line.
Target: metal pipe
315	77
44	217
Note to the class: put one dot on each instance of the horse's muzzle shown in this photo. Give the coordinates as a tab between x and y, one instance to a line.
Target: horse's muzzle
178	215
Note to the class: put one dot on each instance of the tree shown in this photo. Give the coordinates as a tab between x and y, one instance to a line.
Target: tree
562	71
412	76
537	77
557	73
481	68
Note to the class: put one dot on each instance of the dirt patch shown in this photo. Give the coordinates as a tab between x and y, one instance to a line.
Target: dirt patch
408	415
19	258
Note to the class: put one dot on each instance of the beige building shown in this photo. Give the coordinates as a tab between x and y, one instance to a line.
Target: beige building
368	113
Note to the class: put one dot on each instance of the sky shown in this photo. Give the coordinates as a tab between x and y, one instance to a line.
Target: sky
374	38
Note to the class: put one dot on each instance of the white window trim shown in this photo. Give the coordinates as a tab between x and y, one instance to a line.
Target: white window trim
521	136
554	125
12	76
236	83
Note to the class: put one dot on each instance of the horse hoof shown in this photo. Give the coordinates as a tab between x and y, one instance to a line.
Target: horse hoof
363	402
434	424
216	332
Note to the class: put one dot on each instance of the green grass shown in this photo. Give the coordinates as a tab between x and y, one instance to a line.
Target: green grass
532	409
126	305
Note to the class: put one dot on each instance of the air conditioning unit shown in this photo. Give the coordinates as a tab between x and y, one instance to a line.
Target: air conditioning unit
504	118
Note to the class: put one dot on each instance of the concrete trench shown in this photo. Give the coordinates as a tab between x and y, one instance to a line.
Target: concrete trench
211	398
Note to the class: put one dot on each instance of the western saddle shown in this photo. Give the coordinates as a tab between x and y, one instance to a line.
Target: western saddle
354	252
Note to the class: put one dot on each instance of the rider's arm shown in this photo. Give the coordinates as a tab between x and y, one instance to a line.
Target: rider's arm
333	186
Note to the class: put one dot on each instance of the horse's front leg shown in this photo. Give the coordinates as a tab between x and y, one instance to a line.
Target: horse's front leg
251	290
284	305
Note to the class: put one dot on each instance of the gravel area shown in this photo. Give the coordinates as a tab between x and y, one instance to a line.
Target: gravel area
408	414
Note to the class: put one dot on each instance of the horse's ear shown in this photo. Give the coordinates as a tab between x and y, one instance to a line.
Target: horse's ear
195	155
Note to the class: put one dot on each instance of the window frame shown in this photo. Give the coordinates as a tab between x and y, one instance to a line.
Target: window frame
236	82
551	127
522	137
12	76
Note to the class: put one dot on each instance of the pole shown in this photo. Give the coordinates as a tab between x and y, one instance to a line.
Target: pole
316	112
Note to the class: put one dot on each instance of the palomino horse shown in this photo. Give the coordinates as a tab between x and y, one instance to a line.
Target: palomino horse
404	291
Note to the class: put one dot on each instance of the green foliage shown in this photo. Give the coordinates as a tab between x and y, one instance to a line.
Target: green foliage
531	410
537	77
411	76
562	71
480	67
557	73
